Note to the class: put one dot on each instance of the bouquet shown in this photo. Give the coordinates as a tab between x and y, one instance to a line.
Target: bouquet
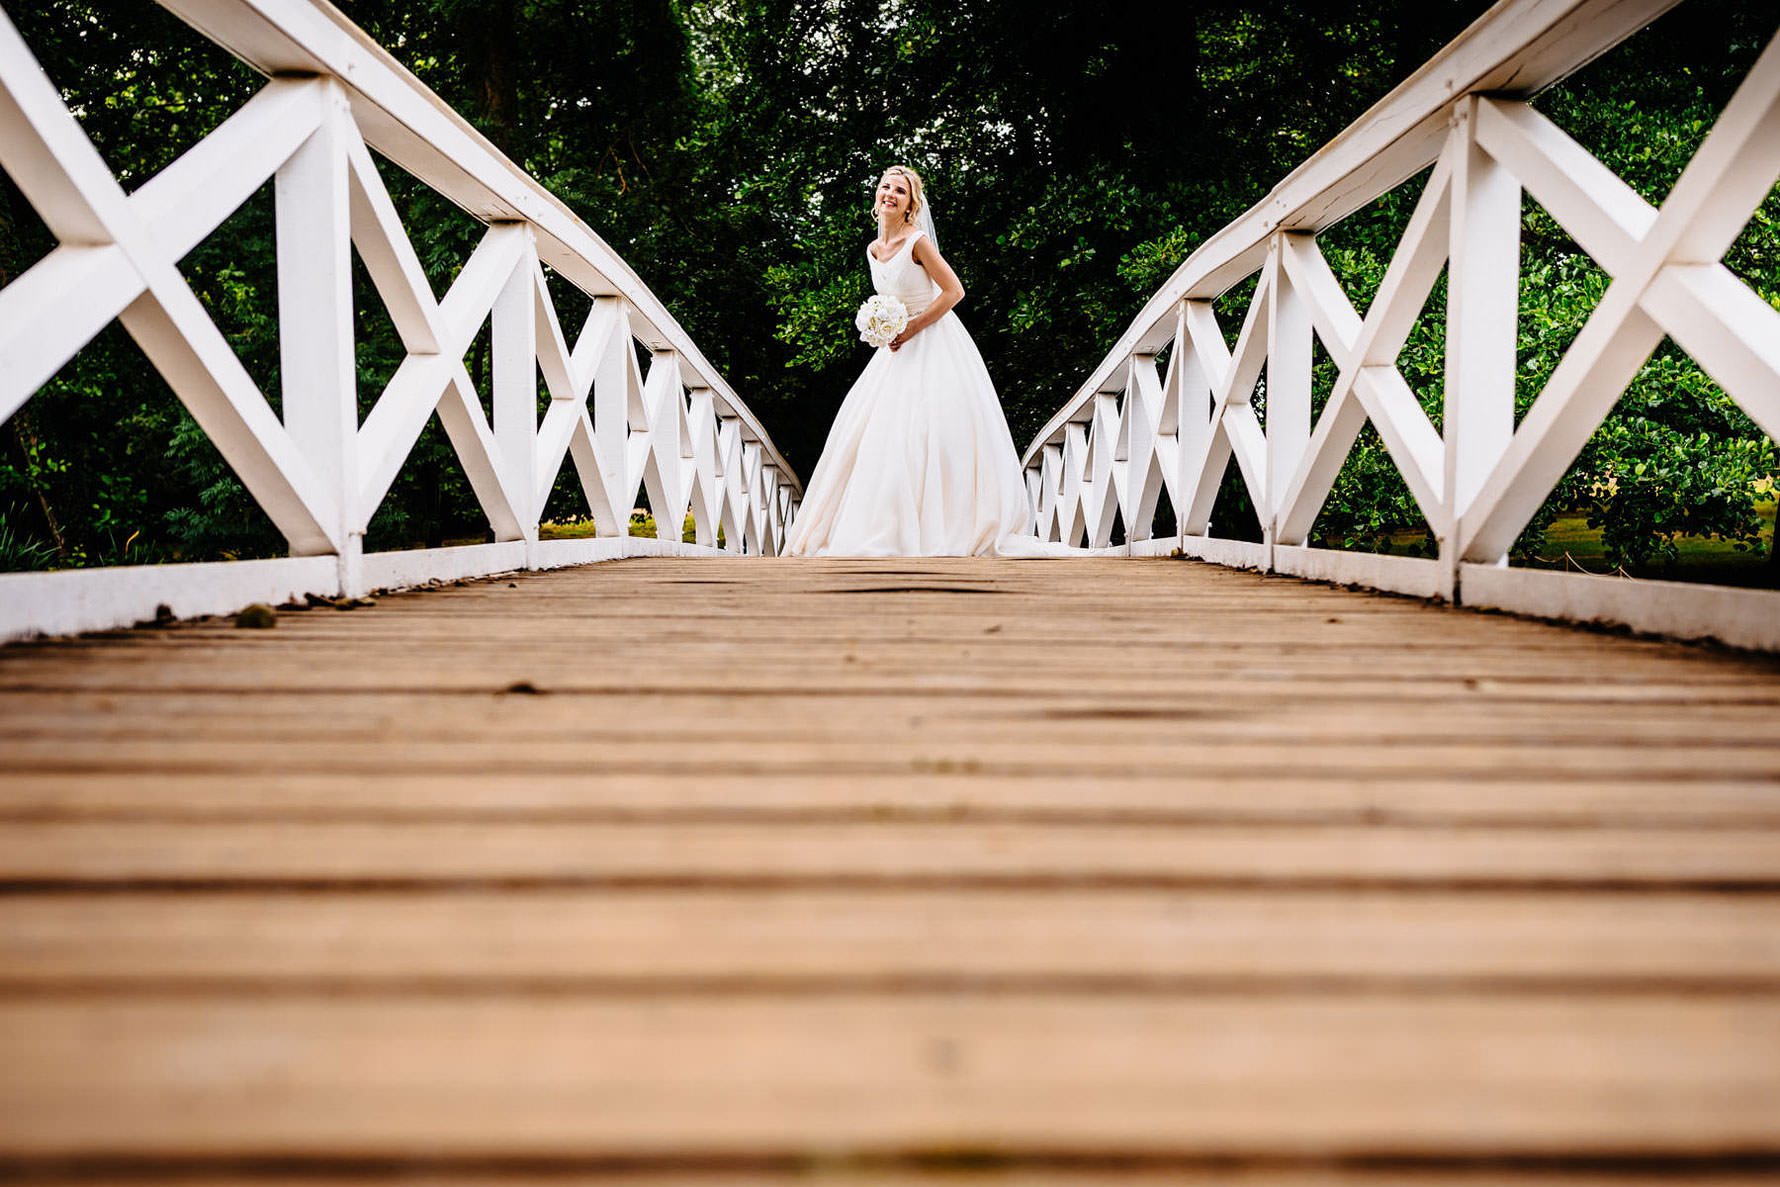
880	320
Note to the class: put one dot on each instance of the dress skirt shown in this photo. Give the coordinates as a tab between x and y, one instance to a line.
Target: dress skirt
919	461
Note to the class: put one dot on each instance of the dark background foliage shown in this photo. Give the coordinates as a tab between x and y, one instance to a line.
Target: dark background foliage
727	148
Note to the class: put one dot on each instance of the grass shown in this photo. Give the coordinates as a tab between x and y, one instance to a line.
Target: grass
641	524
1570	544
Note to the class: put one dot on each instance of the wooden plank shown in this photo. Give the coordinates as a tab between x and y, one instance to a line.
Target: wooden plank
1041	749
947	1169
1236	1076
1139	862
890	940
942	787
840	759
1258	715
771	849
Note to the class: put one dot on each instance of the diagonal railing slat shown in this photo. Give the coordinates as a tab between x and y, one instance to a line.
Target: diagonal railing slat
406	122
332	98
1479	478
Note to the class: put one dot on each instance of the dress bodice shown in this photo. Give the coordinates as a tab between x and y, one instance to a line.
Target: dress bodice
902	277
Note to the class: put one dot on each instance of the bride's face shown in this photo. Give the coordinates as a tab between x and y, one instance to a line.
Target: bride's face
893	196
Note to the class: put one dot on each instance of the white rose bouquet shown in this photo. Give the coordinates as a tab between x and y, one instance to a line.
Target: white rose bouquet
880	320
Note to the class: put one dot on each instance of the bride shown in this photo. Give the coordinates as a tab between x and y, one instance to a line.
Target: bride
919	461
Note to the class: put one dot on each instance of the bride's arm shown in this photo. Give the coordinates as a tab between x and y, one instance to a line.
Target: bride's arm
951	290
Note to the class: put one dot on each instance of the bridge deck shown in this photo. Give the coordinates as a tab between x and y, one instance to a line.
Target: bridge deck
1070	869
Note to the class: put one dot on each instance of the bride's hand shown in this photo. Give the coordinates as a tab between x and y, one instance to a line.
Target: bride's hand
896	342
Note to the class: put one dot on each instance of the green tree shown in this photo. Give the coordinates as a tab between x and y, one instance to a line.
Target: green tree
727	149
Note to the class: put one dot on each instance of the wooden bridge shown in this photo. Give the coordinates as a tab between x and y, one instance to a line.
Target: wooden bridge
1062	869
706	864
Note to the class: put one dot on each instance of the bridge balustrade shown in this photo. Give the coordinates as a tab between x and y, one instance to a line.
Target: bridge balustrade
1138	426
675	430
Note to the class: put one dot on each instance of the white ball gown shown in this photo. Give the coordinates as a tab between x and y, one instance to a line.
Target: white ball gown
919	461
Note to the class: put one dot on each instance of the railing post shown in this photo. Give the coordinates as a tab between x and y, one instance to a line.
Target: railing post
1050	491
732	502
1482	317
1288	386
664	464
1136	450
610	405
1198	410
707	470
514	348
769	511
1100	498
318	374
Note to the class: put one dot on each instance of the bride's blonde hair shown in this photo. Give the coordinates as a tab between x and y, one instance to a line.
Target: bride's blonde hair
915	196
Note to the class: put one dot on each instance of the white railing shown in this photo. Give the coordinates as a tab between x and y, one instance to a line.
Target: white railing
677	431
1133	430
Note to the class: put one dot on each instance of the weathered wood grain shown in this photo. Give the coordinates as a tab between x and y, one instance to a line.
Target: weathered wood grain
1202	1075
1088	871
834	940
889	850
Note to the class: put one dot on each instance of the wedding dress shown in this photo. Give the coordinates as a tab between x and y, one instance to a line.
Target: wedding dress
919	461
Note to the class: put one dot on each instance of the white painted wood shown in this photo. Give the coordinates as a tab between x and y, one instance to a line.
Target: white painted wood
604	374
1050	480
467	427
1159	546
407	123
1100	502
1238	554
1516	49
733	505
401	570
1418	577
414	391
752	492
1072	513
177	335
389	257
706	483
1140	475
560	554
610	516
1739	617
77	600
1478	479
1482	310
1203	360
318	371
53	310
514	347
48	154
1728	329
1407	433
1288	379
1727	178
1603	214
59	304
665	474
316	471
1332	315
1369	385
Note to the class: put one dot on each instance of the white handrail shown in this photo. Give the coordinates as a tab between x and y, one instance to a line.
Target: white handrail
677	431
1131	432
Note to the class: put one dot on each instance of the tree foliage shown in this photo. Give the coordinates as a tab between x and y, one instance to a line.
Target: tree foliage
727	149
